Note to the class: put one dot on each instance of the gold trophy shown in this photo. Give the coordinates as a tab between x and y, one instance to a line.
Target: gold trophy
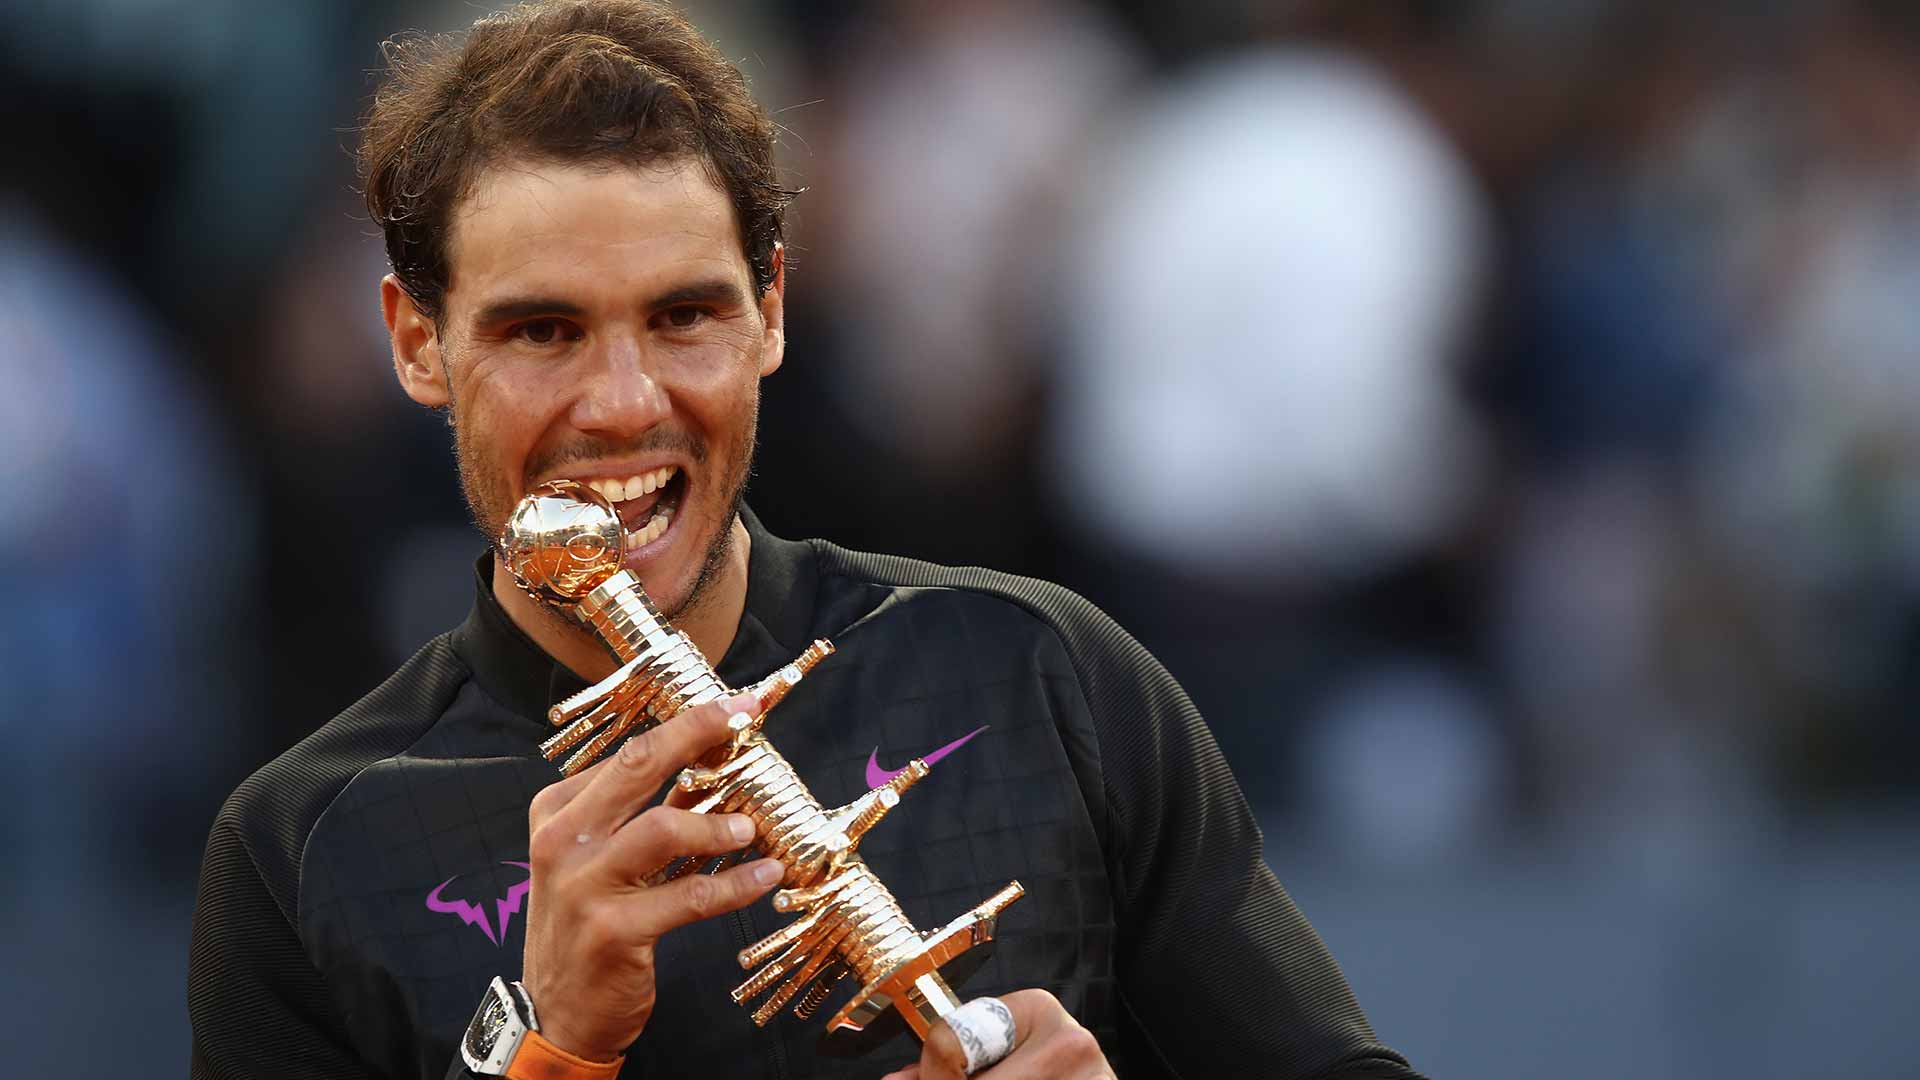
563	544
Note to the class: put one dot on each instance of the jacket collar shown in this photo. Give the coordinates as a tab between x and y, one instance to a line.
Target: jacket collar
775	626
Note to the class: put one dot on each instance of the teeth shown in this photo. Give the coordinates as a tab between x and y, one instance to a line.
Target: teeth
655	527
633	486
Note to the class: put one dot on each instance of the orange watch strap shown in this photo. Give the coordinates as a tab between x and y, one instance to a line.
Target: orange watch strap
538	1059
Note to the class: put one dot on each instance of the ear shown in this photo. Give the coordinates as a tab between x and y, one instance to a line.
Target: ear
773	315
417	356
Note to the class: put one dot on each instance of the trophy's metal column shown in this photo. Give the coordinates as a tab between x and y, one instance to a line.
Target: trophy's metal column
563	544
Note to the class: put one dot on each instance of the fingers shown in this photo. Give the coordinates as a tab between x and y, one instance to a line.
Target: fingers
1048	1044
943	1058
665	833
702	896
1068	1052
1036	1014
549	800
616	788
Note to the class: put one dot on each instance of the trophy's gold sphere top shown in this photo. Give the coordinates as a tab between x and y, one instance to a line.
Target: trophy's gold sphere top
562	541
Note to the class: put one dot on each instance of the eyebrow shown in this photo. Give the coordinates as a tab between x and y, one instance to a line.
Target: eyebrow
521	307
717	291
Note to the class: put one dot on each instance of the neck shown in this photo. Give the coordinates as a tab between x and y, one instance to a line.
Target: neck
711	623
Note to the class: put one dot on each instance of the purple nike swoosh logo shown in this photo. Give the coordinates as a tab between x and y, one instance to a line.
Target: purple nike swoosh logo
877	776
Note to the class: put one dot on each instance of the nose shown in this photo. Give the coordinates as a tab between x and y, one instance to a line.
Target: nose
620	397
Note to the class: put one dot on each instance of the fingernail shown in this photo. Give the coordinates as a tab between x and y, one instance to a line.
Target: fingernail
743	703
768	871
741	826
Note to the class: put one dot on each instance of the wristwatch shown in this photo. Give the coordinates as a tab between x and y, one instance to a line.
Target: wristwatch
499	1027
504	1040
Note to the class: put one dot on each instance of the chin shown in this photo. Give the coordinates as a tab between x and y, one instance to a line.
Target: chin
674	567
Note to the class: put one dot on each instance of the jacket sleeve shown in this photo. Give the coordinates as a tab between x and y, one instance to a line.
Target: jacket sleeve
1217	965
258	1006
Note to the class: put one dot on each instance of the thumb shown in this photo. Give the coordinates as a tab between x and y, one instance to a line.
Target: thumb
980	1033
943	1058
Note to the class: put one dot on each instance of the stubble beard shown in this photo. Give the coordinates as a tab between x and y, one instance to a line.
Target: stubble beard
490	502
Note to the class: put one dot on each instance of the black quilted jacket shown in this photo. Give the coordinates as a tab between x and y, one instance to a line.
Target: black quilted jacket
359	891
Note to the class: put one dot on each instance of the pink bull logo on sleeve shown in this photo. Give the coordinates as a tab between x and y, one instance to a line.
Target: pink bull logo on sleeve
505	908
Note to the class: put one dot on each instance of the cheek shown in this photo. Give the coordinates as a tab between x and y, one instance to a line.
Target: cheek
720	388
506	414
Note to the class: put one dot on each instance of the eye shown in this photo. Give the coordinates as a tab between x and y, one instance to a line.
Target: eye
684	317
544	331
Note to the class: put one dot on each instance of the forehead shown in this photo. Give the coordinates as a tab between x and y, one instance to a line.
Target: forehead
584	229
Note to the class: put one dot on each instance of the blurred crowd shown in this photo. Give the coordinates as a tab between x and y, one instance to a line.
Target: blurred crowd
1501	416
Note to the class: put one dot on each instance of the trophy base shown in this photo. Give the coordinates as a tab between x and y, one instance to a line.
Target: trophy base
912	987
890	1024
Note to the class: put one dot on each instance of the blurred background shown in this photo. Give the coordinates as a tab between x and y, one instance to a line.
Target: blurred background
1500	415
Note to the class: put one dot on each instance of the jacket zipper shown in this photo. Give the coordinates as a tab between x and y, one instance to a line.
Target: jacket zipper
743	936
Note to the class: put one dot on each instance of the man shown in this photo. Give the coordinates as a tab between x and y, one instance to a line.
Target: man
584	223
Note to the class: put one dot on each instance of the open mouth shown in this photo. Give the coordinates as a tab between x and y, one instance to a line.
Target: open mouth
646	503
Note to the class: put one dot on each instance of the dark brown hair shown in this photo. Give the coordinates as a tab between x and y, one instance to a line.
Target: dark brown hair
621	82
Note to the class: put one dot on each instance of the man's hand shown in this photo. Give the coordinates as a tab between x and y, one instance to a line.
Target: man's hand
1047	1045
591	924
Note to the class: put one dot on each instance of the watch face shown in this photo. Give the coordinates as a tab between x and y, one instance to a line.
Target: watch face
484	1033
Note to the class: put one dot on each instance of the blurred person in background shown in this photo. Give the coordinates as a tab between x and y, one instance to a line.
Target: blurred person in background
1713	383
335	442
981	109
125	543
1808	480
1618	335
584	224
1260	417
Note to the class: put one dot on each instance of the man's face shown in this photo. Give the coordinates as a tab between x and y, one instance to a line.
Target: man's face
602	325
